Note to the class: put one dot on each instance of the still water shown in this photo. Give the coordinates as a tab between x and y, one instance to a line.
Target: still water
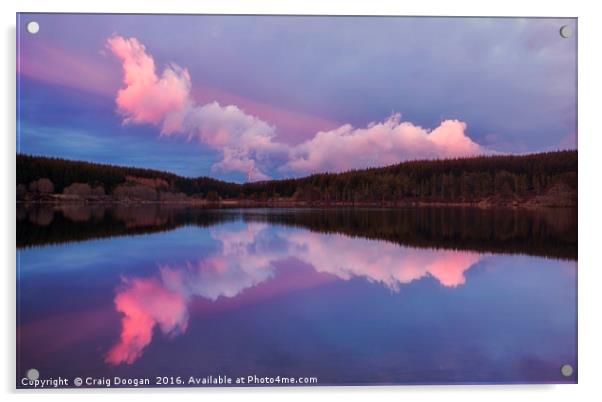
407	296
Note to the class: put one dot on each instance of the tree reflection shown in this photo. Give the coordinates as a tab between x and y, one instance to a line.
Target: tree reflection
542	232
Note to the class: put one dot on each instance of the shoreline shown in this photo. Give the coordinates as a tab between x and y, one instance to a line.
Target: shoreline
533	231
229	203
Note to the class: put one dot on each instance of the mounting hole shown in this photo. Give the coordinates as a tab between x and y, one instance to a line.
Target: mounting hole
566	370
33	374
566	31
33	27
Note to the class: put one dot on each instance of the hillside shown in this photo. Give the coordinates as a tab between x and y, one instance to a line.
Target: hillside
548	179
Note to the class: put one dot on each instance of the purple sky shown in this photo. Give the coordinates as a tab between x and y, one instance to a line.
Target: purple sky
251	97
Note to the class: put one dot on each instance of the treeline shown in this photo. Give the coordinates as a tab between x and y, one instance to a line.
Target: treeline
63	172
459	179
448	180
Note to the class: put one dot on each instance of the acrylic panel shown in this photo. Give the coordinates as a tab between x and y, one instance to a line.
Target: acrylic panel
248	200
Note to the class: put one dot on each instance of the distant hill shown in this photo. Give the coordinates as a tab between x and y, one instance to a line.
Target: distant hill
548	178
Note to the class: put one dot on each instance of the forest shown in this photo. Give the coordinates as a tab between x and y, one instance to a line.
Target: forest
497	177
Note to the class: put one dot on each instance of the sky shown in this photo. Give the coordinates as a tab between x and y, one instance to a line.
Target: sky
246	98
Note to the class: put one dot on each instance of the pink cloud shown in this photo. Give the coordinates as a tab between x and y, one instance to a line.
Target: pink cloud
248	144
146	97
380	144
165	101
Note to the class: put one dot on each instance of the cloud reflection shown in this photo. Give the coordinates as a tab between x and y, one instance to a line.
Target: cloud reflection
146	303
378	261
246	258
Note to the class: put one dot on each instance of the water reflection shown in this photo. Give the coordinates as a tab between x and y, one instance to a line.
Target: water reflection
239	292
247	257
545	232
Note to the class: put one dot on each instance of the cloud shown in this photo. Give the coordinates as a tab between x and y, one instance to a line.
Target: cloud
380	144
248	144
146	97
247	258
165	101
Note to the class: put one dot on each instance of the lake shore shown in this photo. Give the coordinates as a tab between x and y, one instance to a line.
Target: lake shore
566	200
532	231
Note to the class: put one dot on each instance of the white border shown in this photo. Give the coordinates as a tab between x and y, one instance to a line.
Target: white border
590	335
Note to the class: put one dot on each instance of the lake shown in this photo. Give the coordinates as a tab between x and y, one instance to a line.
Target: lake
353	296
